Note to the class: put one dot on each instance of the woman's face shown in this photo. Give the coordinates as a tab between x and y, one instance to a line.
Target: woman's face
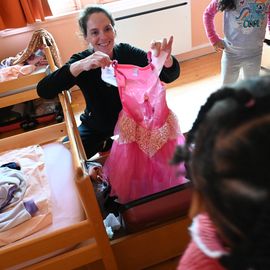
100	33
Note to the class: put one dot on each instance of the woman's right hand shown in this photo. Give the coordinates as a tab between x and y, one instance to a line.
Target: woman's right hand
219	46
96	60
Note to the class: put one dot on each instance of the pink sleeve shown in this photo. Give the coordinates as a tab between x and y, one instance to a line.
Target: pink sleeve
194	259
208	20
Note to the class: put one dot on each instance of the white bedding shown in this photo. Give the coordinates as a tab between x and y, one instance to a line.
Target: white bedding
65	205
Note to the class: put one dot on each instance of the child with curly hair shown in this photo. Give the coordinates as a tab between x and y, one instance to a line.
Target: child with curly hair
228	154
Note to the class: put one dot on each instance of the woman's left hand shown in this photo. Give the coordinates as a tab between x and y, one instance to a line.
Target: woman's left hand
163	45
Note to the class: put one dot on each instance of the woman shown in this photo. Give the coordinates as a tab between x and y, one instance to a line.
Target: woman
84	69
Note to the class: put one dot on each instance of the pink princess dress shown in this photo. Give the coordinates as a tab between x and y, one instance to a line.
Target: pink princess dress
147	134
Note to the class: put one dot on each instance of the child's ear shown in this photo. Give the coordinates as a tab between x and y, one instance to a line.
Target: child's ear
197	204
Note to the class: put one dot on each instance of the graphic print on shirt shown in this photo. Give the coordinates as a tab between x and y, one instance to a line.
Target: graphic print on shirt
252	14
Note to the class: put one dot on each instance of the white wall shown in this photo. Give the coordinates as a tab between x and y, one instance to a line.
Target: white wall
67	35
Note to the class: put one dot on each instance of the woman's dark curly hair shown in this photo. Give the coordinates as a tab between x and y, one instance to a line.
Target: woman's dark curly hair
228	155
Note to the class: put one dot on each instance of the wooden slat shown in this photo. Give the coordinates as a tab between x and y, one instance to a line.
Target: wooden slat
22	82
70	259
37	136
66	103
18	98
42	245
73	134
49	56
85	187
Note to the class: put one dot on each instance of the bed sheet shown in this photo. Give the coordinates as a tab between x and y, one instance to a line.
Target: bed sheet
65	204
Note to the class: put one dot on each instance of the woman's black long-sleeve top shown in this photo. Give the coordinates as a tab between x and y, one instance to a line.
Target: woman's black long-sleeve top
102	100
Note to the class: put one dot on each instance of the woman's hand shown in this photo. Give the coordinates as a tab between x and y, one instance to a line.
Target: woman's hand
96	60
219	46
163	45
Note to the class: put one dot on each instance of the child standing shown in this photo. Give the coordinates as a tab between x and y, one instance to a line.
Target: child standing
244	32
228	154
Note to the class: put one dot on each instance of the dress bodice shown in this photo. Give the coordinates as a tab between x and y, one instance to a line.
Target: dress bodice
143	95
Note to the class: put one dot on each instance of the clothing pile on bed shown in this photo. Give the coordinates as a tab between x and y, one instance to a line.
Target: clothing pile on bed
25	199
13	184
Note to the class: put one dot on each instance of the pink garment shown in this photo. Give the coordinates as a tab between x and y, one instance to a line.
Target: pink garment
208	20
138	164
205	248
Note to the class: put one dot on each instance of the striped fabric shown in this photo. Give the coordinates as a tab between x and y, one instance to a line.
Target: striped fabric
205	248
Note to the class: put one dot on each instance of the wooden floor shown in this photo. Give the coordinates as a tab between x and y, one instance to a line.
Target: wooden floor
199	77
167	265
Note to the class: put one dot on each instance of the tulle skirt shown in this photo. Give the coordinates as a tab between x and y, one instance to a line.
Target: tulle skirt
133	174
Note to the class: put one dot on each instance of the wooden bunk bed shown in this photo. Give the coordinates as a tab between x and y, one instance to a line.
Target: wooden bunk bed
90	244
91	228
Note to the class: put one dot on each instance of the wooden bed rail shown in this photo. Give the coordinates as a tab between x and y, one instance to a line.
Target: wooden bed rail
85	187
48	55
38	136
44	244
73	133
83	182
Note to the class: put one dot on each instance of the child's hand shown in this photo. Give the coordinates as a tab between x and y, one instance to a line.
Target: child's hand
219	46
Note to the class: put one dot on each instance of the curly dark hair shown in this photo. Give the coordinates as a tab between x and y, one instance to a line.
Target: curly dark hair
228	154
226	5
